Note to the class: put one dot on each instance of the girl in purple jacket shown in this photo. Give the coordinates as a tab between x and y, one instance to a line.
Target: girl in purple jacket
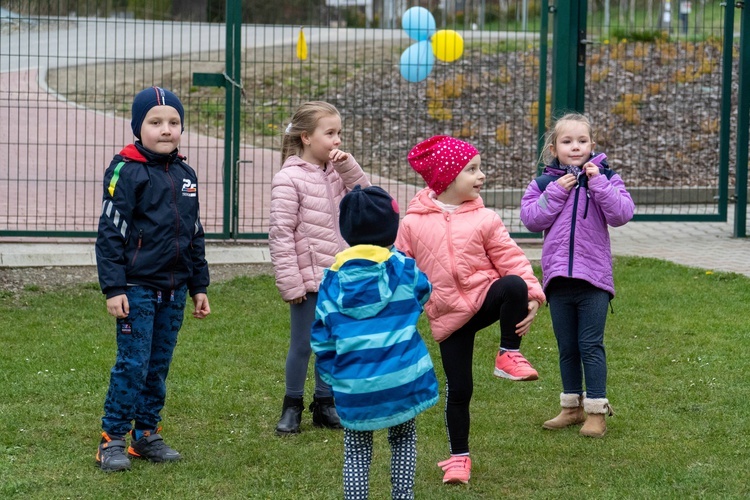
573	202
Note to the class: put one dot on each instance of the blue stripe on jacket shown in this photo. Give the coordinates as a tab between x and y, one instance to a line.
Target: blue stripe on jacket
365	338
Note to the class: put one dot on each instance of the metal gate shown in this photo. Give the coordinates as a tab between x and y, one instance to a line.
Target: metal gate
659	93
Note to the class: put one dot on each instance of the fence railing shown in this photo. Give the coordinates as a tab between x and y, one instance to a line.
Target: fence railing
654	94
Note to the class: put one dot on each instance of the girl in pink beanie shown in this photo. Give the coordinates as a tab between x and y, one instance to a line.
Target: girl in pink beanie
479	276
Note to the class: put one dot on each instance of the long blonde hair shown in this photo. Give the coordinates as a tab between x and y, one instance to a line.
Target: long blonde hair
550	138
305	119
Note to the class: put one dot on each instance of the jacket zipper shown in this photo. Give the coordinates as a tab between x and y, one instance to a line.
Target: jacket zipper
177	225
137	248
451	256
571	247
334	211
588	197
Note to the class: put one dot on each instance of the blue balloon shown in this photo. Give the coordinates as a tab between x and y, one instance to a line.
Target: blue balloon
417	61
418	23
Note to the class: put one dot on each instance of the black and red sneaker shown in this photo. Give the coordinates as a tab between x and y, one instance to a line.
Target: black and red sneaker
152	447
111	457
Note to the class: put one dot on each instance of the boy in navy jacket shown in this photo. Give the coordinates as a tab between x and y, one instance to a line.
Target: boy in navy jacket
150	253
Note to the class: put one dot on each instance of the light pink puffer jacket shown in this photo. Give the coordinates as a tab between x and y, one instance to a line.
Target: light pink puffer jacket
303	234
462	253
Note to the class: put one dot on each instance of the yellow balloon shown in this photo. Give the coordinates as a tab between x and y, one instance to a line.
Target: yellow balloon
447	45
301	46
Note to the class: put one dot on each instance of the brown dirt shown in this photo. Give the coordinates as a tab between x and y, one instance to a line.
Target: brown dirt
655	106
17	279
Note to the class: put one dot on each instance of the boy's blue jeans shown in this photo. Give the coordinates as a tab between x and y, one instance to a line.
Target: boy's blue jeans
579	314
145	342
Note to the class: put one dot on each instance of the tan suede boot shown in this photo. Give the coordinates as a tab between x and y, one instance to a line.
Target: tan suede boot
571	414
595	425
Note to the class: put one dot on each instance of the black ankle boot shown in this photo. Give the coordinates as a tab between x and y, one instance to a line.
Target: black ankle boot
291	416
324	413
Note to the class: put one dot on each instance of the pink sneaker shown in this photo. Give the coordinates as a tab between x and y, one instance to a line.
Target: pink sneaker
512	365
457	469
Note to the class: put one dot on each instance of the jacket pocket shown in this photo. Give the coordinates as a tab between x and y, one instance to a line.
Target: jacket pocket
138	246
434	310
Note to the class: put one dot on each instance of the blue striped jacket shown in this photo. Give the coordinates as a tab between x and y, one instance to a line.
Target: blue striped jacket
366	341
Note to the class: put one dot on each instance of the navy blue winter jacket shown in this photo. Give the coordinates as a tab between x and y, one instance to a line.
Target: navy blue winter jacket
150	232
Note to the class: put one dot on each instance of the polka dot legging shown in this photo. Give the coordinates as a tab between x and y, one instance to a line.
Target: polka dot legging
358	455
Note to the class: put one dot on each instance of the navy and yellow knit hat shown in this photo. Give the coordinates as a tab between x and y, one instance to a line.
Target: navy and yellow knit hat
368	216
147	99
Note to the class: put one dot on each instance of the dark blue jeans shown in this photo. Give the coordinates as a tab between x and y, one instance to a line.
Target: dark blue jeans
579	314
145	342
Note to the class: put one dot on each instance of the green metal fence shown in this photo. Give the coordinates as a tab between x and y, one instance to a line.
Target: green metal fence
660	95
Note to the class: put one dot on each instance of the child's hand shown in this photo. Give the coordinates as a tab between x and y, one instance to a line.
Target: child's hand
568	181
118	306
338	157
590	170
202	309
524	326
298	300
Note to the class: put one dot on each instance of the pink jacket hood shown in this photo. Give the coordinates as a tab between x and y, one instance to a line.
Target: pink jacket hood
462	253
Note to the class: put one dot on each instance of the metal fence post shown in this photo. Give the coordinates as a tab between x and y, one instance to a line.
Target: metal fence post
568	57
725	116
231	81
743	123
542	111
234	96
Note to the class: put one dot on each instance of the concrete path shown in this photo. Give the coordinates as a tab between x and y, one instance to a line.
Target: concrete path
54	183
705	245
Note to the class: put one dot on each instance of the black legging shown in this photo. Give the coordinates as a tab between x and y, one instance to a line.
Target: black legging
507	300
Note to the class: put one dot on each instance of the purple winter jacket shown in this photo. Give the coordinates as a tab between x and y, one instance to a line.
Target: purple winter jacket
576	238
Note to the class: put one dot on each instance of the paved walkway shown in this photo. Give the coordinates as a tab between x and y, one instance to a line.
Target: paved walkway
706	245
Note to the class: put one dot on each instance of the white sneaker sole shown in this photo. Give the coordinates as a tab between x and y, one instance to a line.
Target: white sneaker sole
503	374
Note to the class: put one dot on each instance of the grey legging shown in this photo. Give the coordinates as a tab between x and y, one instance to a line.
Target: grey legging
302	317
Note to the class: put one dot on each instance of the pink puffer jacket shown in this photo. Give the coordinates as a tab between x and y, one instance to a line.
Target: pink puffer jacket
462	253
303	236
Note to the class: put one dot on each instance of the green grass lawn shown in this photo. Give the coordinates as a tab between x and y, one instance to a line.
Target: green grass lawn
678	358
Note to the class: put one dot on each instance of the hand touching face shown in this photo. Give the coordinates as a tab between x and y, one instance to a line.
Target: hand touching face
323	141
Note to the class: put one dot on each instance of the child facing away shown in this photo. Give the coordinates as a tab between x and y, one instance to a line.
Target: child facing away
367	345
479	276
304	239
150	253
573	201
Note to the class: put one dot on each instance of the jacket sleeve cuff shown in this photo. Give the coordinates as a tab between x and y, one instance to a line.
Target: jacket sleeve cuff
195	291
114	292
